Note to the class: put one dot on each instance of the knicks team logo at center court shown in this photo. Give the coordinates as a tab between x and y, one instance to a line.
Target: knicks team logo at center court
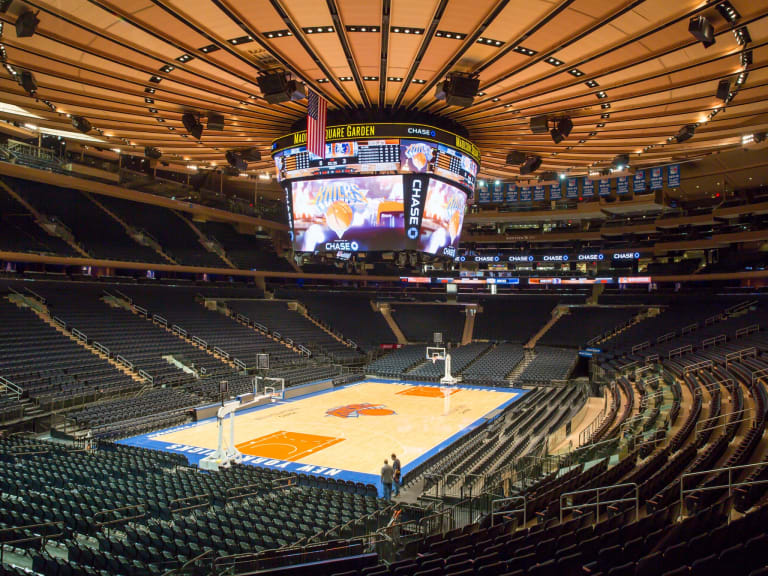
355	410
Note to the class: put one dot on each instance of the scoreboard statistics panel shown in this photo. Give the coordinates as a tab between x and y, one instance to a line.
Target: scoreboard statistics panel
362	157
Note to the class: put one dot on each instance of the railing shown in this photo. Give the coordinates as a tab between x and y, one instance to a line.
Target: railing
36	296
730	485
585	436
653	358
160	320
665	337
642	346
141	310
713	341
679	351
148	377
103	349
509	513
198	501
188	564
141	512
243	318
704	364
13	390
60	322
261	327
642	370
689	328
124	361
43	538
240	364
244	491
179	330
758	374
285	482
713	319
736	308
747	330
305	351
277	335
79	335
703	425
628	366
221	352
597	503
200	342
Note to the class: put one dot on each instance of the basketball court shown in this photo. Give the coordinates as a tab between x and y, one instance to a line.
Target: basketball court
345	432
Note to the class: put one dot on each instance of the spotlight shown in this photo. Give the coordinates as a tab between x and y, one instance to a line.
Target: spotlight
26	24
192	125
758	137
539	124
236	160
620	162
532	163
276	87
723	89
82	124
743	36
685	133
515	158
27	81
702	30
250	154
458	89
152	152
215	121
564	126
557	137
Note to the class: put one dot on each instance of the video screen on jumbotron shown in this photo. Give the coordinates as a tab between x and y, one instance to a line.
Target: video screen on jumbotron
378	190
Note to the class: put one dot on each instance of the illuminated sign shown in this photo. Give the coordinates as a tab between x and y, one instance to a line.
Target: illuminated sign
590	257
382	130
634	280
520	258
555	258
626	256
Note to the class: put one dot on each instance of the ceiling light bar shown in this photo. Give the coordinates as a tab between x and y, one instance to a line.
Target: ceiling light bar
394	78
167	68
490	42
451	35
523	50
184	58
210	48
418	81
553	61
363	29
407	30
240	40
742	36
575	72
371	78
592	83
601	95
318	30
728	12
345	78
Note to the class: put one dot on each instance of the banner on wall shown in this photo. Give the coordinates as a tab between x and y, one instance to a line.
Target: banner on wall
525	194
483	194
622	185
604	187
538	193
511	192
497	193
657	178
572	188
638	182
588	188
555	191
673	175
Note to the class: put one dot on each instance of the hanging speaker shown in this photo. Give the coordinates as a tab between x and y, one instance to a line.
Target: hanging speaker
27	81
685	133
723	89
701	29
236	161
82	124
539	124
557	137
215	121
26	24
192	125
250	154
532	163
152	152
515	158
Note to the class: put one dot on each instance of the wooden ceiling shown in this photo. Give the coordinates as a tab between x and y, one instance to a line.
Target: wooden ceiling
134	67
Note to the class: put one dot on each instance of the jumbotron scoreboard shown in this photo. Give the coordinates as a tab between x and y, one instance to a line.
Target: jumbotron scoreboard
380	187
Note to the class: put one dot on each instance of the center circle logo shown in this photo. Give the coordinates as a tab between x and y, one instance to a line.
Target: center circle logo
357	410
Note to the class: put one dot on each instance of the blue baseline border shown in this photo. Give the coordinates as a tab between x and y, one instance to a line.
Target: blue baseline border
195	453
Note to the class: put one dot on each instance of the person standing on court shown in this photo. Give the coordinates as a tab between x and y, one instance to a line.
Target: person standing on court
396	477
387	474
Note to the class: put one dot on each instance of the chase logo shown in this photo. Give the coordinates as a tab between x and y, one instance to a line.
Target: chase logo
356	410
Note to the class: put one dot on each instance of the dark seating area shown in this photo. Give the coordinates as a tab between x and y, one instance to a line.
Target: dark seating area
19	232
167	228
530	313
582	324
98	233
495	366
245	250
549	364
348	313
420	321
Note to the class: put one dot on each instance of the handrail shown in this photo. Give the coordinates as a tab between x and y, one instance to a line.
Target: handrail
652	358
179	330
200	342
305	350
730	485
36	296
506	513
230	494
689	328
42	537
713	341
679	351
123	360
198	497
757	374
148	377
697	366
221	352
180	569
665	337
747	330
260	326
159	319
142	508
740	354
141	310
59	321
101	348
79	335
124	296
597	503
15	389
240	364
284	482
725	423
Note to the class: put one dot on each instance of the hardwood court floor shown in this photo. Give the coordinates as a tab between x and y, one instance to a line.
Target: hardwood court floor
353	428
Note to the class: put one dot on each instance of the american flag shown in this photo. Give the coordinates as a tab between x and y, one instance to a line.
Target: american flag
316	112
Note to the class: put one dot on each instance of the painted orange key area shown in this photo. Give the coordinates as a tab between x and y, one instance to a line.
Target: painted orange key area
286	445
429	391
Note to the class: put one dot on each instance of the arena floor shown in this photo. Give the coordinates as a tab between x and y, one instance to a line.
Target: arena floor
345	432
